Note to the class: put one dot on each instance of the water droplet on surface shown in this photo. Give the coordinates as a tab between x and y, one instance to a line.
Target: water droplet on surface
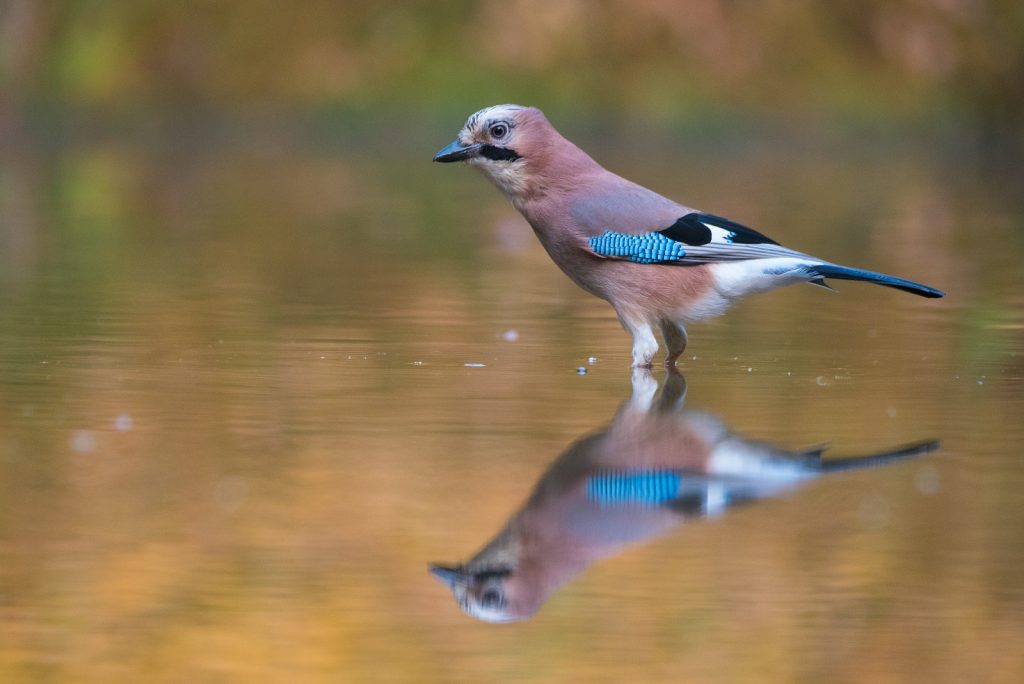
592	360
821	380
475	365
510	335
83	441
123	423
874	512
927	480
231	492
581	370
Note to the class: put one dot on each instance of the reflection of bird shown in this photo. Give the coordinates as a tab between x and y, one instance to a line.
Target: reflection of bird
627	244
655	466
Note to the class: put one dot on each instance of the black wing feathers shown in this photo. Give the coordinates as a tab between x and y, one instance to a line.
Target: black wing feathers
692	229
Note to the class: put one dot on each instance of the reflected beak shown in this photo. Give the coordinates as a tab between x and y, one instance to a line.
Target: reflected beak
456	151
450	576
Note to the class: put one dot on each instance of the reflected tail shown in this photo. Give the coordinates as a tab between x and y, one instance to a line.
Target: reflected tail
856	462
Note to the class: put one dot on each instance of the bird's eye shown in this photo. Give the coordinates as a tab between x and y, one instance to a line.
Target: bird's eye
499	130
491	598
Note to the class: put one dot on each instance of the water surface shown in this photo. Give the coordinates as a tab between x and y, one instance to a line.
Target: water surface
237	421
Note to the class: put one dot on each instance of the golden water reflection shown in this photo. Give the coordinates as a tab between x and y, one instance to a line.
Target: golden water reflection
236	419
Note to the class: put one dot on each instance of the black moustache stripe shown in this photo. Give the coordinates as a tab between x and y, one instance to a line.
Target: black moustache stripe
491	573
498	153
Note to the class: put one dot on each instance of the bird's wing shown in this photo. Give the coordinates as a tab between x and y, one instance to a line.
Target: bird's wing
620	219
692	238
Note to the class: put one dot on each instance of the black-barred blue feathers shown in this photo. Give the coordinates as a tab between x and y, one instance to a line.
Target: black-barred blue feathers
649	248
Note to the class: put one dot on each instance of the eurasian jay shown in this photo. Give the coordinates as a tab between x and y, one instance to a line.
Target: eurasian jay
660	264
653	468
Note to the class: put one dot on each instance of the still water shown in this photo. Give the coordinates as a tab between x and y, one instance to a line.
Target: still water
250	391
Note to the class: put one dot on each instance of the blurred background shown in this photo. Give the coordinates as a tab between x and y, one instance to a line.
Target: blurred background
950	65
237	304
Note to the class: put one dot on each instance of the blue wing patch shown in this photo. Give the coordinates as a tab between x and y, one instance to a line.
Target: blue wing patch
649	248
645	487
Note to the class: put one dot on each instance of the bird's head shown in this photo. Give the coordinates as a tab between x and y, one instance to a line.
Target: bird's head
491	594
506	142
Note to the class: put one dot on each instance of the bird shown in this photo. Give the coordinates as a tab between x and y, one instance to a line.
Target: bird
659	263
656	466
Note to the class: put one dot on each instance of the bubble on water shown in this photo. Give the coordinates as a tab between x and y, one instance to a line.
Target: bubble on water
874	512
591	360
123	423
891	411
10	451
821	380
750	370
927	480
417	363
510	335
231	492
83	441
475	365
581	370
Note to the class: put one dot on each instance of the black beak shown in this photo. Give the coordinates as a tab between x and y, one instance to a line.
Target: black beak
456	151
450	576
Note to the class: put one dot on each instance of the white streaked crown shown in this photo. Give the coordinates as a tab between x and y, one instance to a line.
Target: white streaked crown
493	113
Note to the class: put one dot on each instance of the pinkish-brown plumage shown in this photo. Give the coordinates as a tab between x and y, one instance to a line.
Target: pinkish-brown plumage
679	265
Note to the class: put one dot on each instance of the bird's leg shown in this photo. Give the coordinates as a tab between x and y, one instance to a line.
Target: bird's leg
645	345
675	340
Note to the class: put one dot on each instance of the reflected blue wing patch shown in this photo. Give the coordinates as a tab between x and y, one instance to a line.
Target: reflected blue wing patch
645	487
649	248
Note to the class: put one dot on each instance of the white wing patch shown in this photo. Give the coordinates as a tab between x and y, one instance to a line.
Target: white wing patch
719	236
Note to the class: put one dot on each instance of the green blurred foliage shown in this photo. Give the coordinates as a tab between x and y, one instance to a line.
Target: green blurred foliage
901	60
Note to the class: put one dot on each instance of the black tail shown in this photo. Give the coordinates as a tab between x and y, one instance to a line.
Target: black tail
847	273
855	462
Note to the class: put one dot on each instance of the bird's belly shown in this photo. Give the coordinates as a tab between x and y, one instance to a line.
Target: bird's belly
652	292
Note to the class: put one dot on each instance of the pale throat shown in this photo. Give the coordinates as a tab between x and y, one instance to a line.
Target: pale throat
510	177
